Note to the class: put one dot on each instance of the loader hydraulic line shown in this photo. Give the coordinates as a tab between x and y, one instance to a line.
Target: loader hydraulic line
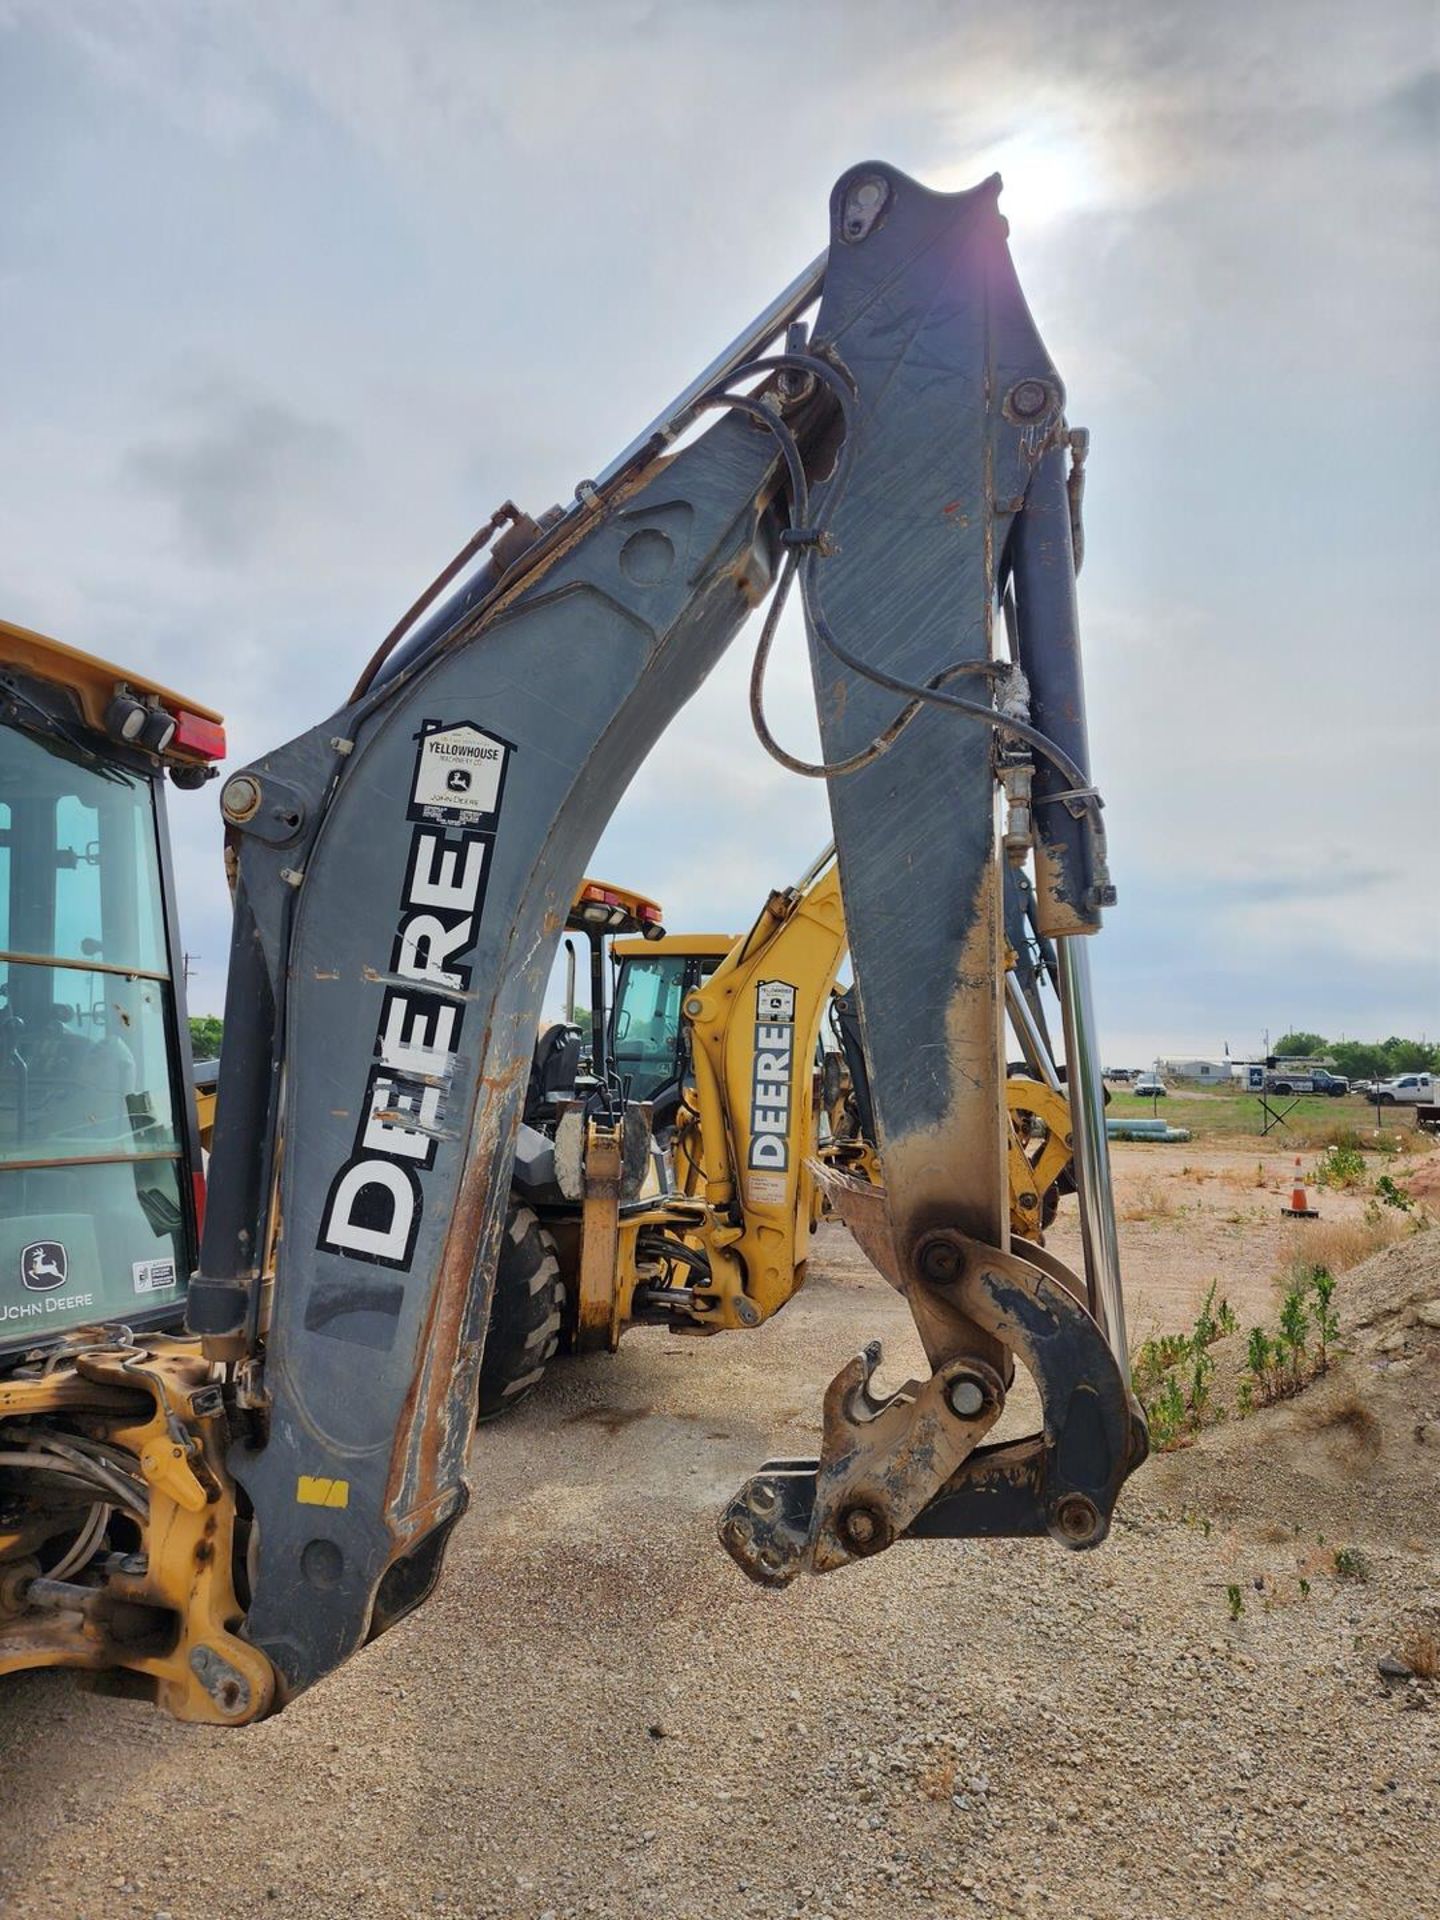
403	872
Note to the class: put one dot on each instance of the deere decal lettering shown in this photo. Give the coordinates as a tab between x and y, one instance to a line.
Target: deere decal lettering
773	1074
376	1199
51	1272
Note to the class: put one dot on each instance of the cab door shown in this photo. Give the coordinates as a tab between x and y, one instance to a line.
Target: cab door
97	1149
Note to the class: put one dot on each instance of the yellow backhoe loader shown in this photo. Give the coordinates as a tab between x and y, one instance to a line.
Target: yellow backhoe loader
220	1515
700	1216
111	1427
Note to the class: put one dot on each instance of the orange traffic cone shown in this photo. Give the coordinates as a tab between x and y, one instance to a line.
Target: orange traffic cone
1299	1207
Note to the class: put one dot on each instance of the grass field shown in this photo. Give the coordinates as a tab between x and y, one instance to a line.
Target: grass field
1312	1121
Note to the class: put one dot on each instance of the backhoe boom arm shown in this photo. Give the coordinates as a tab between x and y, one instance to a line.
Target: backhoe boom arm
404	871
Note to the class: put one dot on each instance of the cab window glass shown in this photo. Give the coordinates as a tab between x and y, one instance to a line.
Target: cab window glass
84	1065
94	1186
85	1243
80	875
647	1010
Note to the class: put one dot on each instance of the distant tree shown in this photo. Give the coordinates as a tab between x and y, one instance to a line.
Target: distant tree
1301	1046
1383	1059
1410	1056
1360	1060
206	1033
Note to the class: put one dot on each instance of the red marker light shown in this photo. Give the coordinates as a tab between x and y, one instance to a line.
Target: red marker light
205	739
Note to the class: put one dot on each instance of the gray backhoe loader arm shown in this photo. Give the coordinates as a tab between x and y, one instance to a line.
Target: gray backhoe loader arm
403	873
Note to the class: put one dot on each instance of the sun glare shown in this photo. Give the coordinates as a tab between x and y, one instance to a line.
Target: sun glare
1046	175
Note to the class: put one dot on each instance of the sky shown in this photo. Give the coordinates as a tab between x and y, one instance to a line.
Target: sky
294	292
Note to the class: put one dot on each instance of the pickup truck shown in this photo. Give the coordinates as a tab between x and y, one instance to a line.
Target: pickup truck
1299	1080
1406	1090
1313	1080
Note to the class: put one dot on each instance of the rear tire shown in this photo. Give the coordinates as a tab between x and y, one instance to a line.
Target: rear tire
527	1314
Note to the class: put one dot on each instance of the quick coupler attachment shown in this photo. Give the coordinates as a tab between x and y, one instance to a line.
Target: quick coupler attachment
882	1461
913	1466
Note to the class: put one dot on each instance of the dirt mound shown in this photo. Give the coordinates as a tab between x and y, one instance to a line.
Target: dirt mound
1391	1306
1357	1453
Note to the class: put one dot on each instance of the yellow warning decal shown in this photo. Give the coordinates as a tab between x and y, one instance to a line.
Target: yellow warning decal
311	1490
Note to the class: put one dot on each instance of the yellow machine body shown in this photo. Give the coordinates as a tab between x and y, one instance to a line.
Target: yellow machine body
111	1442
748	1142
163	1624
95	682
748	1135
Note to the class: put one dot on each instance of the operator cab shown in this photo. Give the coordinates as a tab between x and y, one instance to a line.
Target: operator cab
563	1068
101	1191
651	982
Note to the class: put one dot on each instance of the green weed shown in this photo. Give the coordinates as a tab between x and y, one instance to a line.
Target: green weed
1172	1376
1341	1166
1392	1195
1281	1363
1155	1359
1294	1323
1351	1563
1327	1321
1165	1416
1212	1321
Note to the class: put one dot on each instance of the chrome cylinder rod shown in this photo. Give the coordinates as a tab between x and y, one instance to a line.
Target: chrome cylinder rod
816	867
680	414
1090	1147
1032	1041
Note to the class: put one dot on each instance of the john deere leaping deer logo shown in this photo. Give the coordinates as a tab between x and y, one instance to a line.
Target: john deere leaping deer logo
44	1264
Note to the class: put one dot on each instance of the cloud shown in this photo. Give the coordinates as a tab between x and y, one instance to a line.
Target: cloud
192	68
1279	889
427	257
239	472
1412	111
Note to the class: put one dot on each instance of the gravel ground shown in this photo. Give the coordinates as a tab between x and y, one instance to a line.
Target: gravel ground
597	1715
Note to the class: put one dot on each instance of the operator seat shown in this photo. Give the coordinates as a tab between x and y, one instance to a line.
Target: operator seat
553	1071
